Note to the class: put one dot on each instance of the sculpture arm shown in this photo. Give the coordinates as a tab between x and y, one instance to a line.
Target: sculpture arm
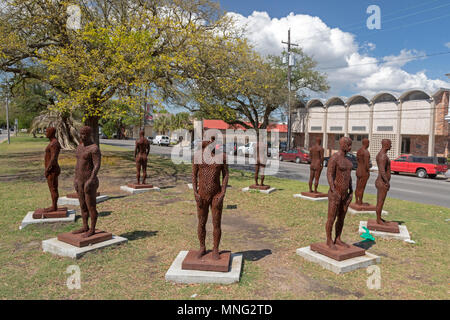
321	154
225	175
54	154
331	173
96	161
382	170
135	149
368	161
148	148
194	178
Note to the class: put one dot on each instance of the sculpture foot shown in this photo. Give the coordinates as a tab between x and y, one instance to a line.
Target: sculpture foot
82	230
381	221
88	234
331	245
50	209
201	252
215	255
342	243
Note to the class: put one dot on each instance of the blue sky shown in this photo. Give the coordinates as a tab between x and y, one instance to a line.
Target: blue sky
414	26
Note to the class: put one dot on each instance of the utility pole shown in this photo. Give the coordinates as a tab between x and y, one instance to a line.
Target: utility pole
290	63
7	119
447	117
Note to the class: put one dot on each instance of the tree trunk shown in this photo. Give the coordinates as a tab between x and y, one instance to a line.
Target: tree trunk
93	123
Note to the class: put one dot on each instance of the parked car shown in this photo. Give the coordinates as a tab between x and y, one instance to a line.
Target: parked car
1	132
420	165
298	155
349	156
229	148
150	140
161	140
247	149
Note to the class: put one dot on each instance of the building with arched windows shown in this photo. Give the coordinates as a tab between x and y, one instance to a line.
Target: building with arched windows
414	122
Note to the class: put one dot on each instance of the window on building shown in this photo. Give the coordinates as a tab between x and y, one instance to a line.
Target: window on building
385	128
406	145
337	137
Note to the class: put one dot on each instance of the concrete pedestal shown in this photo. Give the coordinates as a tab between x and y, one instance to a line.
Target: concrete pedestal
76	202
137	191
298	195
178	275
30	220
353	211
63	249
338	266
402	235
262	191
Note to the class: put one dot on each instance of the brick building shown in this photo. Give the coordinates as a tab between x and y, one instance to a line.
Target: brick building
414	122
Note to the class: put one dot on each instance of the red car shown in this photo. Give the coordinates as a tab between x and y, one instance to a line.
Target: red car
298	155
421	166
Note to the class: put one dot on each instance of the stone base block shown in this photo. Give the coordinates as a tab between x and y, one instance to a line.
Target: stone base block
77	240
259	187
137	191
262	191
362	207
178	275
70	217
389	226
353	211
75	195
76	202
298	195
402	235
63	249
338	266
206	263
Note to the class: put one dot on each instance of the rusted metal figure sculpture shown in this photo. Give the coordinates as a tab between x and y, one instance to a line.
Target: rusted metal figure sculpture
209	192
260	166
362	175
316	154
339	198
141	151
52	172
383	185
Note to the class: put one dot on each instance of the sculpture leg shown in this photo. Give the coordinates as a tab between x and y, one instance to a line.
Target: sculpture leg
138	170
332	212
217	231
52	181
312	173
256	173
144	170
83	208
381	196
342	210
202	214
262	168
91	202
358	192
363	184
316	178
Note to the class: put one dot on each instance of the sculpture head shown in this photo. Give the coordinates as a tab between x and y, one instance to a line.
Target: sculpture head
318	141
50	133
345	144
141	133
386	144
365	143
86	134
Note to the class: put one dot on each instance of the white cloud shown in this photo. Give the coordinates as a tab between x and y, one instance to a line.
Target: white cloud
447	45
347	63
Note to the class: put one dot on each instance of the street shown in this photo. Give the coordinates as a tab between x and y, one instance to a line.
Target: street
405	187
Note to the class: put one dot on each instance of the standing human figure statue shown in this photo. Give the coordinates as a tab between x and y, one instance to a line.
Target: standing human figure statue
260	165
362	172
51	173
384	177
340	192
141	152
316	154
86	182
209	192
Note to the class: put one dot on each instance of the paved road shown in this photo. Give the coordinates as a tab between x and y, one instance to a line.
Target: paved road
4	136
405	187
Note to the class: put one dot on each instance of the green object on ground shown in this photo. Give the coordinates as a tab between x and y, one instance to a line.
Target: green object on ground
366	235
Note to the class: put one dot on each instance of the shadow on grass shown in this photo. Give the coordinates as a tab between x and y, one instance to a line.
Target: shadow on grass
255	255
116	197
365	244
139	234
231	206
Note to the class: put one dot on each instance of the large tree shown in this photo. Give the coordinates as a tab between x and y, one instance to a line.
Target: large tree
122	48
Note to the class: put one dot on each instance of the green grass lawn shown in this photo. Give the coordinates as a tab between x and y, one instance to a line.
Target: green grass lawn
266	228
